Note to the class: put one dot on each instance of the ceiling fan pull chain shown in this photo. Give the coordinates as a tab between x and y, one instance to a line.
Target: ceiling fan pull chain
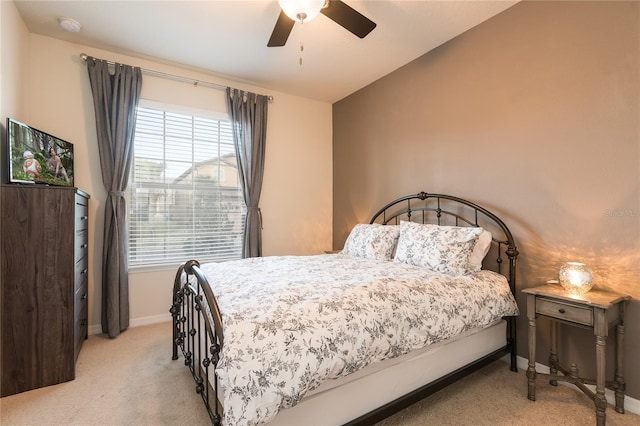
301	50
302	31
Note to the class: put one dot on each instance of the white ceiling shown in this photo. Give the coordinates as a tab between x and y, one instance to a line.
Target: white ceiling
229	38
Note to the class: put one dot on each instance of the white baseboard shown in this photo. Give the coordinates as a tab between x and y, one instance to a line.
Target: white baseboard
136	322
630	404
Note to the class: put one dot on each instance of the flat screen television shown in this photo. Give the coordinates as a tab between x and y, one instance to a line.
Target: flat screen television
38	157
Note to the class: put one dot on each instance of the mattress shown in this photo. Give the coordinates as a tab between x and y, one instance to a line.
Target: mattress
339	401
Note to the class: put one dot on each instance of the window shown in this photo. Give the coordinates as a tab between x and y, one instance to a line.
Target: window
184	197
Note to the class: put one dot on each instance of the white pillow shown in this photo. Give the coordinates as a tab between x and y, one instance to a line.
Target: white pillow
480	250
372	241
444	249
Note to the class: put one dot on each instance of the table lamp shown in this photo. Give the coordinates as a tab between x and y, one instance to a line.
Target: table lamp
576	278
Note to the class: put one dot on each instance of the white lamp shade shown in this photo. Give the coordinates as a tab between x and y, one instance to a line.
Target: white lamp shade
301	10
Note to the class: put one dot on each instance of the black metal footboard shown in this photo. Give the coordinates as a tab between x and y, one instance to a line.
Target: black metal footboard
197	332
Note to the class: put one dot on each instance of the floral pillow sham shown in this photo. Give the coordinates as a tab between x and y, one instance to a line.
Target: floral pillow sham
444	249
480	250
372	241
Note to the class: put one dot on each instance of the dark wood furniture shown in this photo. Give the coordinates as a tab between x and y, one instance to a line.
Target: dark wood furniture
595	310
200	337
44	284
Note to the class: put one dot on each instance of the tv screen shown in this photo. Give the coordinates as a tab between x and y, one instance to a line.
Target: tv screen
38	157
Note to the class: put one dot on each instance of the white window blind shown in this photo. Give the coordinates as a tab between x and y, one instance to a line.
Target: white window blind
184	196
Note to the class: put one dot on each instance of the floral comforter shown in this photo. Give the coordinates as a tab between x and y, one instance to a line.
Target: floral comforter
292	322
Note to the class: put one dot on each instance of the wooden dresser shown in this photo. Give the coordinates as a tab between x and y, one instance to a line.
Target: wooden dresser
44	285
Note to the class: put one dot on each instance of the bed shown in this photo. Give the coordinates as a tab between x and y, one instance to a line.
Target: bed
418	298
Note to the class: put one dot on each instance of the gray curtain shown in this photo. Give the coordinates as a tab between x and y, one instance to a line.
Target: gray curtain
248	113
115	100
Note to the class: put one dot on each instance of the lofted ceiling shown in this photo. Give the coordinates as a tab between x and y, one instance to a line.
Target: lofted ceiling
229	38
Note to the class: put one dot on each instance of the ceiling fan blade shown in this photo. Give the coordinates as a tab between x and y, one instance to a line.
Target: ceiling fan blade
281	31
349	18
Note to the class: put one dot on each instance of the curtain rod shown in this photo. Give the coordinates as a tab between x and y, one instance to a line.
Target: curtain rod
168	76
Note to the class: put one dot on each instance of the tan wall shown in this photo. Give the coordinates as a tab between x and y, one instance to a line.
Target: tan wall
14	59
57	99
533	114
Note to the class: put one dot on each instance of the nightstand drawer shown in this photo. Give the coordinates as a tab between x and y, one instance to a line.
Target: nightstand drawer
564	311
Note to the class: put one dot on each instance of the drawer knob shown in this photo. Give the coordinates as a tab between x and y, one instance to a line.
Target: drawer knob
84	297
561	310
84	218
84	271
84	246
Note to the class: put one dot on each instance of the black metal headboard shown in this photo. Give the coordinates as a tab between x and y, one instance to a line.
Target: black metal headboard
449	210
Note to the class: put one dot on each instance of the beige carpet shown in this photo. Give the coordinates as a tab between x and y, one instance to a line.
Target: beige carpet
131	380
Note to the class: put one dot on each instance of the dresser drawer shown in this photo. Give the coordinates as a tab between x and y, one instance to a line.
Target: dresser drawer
82	244
564	311
80	303
82	272
80	317
82	213
80	332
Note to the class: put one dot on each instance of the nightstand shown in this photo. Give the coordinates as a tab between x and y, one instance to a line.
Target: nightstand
595	310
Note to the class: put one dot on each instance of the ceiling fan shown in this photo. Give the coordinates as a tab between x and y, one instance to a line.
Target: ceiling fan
305	10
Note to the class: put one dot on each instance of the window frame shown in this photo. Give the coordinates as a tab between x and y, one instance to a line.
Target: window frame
194	112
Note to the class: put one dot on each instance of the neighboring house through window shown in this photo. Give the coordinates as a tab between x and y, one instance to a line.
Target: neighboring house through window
184	197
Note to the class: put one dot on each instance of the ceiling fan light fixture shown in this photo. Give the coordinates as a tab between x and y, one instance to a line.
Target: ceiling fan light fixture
301	10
